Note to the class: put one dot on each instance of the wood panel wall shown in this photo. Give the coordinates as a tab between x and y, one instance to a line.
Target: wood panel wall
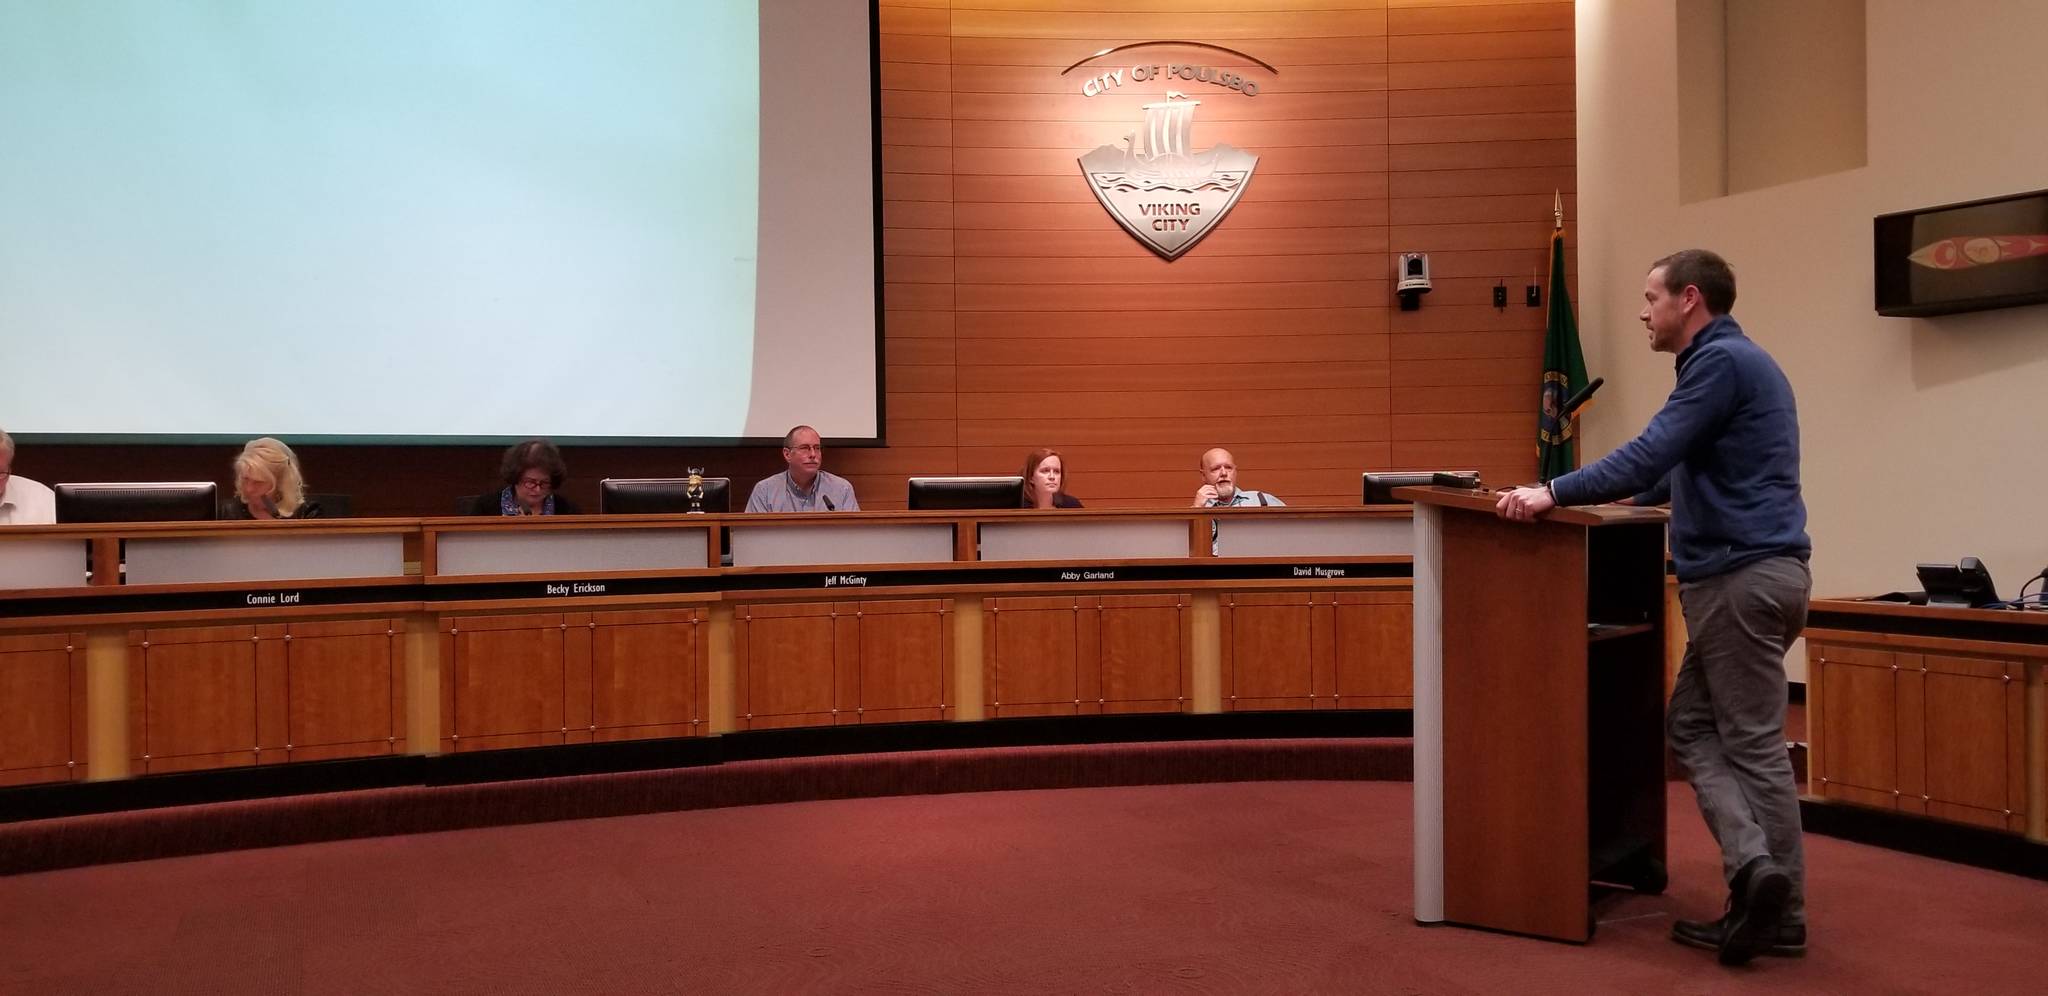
1019	315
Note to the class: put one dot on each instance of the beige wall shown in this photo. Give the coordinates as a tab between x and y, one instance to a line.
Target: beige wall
1795	90
1920	440
1702	100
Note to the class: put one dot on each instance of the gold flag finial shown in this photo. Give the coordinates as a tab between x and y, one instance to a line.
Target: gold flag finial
1557	208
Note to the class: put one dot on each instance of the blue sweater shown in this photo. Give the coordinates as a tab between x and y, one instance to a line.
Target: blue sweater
1724	451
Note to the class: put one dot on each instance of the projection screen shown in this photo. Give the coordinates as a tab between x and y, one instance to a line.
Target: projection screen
436	221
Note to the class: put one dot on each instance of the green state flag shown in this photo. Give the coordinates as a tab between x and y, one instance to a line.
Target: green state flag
1564	371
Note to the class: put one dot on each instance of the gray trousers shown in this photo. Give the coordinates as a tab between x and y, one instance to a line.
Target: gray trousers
1727	714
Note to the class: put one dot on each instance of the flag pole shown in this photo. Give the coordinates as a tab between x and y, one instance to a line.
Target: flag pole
1564	366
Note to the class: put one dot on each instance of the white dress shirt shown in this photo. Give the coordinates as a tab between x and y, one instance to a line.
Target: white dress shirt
27	503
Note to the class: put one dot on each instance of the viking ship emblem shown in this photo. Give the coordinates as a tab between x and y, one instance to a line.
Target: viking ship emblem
1161	189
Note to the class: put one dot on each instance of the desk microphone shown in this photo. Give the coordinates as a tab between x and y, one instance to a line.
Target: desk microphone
1578	401
270	505
827	499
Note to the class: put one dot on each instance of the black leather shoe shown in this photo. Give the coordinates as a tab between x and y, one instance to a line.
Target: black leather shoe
1788	942
1753	917
1704	934
1709	933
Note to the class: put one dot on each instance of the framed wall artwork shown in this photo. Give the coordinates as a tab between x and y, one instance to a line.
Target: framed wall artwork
1972	256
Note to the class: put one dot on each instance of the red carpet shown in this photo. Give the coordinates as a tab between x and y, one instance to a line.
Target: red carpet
1251	887
42	845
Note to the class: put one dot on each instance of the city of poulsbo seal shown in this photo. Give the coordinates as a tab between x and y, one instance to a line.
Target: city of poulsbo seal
1161	189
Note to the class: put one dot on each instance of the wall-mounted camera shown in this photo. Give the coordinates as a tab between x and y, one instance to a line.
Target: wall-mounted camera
1411	279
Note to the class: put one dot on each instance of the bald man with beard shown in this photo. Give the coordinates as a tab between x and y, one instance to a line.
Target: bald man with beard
1219	484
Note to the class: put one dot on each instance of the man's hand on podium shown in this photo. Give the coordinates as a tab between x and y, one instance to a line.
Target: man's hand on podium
1525	504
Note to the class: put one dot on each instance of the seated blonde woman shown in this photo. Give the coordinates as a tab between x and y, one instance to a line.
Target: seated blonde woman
268	484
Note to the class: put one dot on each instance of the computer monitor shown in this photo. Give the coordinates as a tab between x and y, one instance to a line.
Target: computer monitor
656	495
168	501
1379	487
963	493
1965	584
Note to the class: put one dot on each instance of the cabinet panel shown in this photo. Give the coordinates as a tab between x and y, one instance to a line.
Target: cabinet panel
1975	735
786	654
1375	660
644	678
1859	720
36	690
1141	649
507	680
1272	652
1034	655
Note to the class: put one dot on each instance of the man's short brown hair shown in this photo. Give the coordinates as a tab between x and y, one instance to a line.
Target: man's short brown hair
1703	269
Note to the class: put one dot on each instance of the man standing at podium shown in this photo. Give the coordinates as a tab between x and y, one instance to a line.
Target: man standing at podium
805	486
1724	451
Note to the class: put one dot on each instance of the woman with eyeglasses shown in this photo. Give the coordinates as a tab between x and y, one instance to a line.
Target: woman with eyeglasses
530	474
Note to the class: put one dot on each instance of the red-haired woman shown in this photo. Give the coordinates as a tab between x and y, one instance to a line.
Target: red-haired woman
1045	481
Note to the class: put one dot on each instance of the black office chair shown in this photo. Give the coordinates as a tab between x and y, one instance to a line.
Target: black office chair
333	506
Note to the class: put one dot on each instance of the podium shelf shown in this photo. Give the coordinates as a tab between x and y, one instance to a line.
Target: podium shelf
1596	632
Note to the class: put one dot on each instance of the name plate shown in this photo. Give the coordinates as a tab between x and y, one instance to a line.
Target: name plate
1080	541
43	563
1246	535
790	545
570	551
255	555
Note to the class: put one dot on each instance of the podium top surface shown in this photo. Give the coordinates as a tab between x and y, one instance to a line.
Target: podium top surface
1942	629
1576	515
1933	615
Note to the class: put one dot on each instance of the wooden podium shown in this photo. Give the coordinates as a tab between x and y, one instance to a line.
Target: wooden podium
1539	706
